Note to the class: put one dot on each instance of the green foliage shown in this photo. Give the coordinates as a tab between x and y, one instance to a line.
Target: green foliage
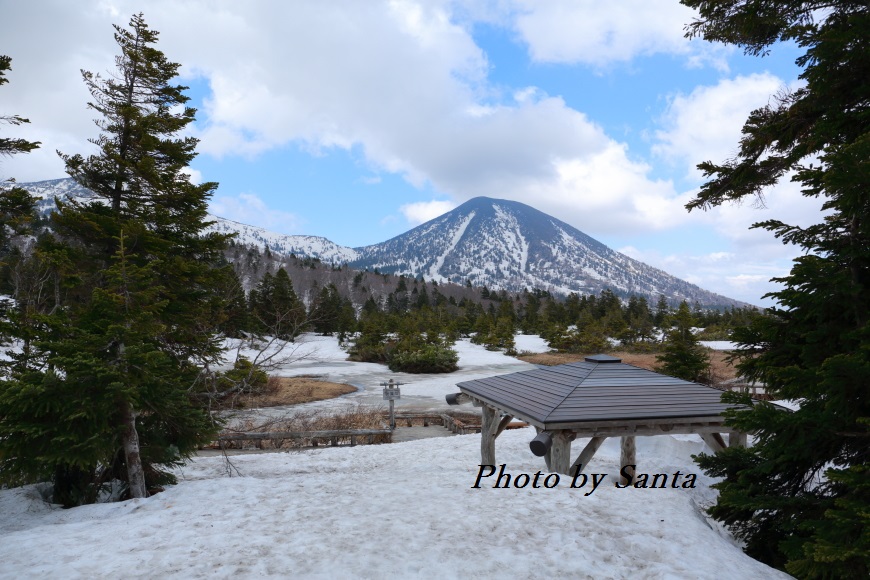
102	388
588	336
234	317
425	358
11	145
370	343
421	342
799	498
683	355
276	309
244	377
332	313
17	207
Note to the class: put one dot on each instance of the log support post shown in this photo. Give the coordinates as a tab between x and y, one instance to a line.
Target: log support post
488	428
548	455
736	439
586	455
560	453
627	456
714	440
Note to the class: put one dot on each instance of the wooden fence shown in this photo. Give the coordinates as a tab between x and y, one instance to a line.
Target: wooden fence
460	426
301	439
344	437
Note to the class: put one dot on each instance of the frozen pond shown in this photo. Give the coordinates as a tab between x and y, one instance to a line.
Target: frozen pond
323	357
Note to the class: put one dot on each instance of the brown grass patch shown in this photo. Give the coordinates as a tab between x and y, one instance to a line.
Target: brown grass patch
721	370
281	391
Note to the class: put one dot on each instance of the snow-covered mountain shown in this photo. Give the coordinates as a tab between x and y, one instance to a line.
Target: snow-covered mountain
489	242
313	246
509	245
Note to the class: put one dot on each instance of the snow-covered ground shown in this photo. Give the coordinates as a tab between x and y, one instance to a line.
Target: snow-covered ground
322	356
719	344
405	510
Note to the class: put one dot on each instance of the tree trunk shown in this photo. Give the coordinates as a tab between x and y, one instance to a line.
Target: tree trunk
135	473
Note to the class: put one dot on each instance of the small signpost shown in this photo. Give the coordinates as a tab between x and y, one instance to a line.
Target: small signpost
391	393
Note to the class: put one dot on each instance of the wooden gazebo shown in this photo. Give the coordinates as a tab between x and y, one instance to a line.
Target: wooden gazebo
600	397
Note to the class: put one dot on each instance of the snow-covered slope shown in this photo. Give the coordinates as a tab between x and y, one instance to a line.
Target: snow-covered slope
500	244
509	245
313	246
404	510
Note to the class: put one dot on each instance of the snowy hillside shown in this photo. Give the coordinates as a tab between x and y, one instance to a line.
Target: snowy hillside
509	245
313	246
504	245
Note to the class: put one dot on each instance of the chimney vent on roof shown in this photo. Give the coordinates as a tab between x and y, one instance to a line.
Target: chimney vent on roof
603	358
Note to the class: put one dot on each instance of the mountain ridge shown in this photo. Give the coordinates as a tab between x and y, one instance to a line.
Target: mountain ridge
501	244
509	245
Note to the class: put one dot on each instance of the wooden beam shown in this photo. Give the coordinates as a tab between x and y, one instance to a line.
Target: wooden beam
299	434
586	455
488	427
627	456
642	430
736	439
714	441
457	399
708	420
560	452
502	425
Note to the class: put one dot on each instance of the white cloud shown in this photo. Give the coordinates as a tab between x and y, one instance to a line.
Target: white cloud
248	208
423	211
194	175
706	124
599	34
404	84
743	276
399	81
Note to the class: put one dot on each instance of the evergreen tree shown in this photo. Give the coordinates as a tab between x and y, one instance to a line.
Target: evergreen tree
17	206
123	354
12	145
800	498
684	357
277	309
661	312
327	311
234	319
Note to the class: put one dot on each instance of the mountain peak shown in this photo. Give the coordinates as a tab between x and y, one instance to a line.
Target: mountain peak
502	244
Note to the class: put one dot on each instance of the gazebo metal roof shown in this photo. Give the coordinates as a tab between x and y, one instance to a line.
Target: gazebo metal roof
600	389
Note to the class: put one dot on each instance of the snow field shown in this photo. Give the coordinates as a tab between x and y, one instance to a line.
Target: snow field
404	510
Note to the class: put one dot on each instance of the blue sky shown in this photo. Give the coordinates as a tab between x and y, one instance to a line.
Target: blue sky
359	120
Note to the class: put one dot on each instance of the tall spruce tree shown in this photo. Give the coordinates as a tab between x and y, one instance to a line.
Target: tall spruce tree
12	145
800	497
120	359
276	308
684	357
16	205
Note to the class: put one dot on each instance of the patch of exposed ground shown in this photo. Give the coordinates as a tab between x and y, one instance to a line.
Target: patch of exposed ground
721	369
281	391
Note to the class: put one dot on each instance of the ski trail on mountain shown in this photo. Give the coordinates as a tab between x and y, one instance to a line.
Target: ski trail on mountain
457	235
